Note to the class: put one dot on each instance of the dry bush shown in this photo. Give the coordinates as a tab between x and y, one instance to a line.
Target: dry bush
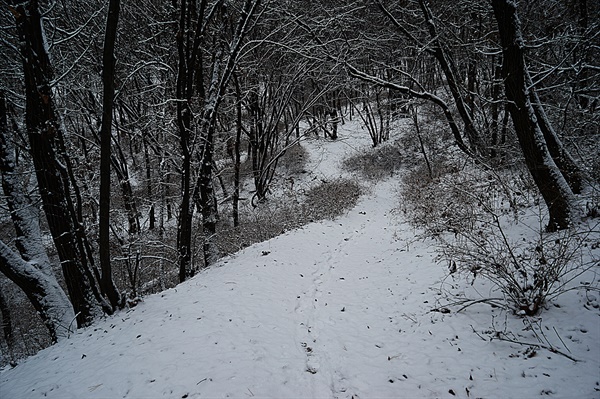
266	221
527	271
458	198
469	209
470	212
147	264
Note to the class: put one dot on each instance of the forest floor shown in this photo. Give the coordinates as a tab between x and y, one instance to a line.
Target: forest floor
355	307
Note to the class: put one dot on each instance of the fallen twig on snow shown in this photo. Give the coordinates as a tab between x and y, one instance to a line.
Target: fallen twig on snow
539	345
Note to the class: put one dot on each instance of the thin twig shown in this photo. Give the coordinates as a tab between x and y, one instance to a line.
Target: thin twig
539	345
563	342
476	333
489	301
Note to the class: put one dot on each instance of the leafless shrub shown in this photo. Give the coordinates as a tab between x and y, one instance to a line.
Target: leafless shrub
259	224
458	199
147	264
469	210
528	272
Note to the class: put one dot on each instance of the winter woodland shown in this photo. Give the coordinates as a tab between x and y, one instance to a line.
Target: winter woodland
345	199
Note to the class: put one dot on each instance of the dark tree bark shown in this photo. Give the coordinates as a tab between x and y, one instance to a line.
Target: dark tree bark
581	80
335	120
421	144
208	200
43	131
107	284
119	164
187	53
548	178
496	91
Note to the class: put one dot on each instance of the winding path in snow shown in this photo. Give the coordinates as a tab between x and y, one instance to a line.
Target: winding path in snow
336	309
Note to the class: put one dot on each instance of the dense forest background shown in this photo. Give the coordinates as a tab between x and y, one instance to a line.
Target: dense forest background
139	140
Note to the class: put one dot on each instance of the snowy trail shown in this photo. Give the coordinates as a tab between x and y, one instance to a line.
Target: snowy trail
363	304
340	290
337	309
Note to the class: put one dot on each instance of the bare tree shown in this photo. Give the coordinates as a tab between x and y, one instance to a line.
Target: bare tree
106	282
547	176
45	136
230	23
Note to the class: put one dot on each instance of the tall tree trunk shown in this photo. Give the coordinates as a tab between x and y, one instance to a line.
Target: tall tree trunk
582	79
471	87
192	73
548	178
43	128
184	221
223	68
237	158
119	163
107	284
496	91
207	198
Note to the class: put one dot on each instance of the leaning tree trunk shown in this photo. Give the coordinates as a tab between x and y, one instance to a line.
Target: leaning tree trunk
446	62
43	130
571	171
552	185
31	270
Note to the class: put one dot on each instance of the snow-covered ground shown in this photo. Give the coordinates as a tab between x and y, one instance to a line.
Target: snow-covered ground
338	309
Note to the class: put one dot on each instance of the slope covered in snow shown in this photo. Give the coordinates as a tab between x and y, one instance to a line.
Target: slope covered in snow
350	308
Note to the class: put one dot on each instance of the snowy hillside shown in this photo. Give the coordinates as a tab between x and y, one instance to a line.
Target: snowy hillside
350	308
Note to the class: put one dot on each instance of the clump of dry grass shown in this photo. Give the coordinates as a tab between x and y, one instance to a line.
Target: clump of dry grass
331	199
272	218
293	162
376	164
